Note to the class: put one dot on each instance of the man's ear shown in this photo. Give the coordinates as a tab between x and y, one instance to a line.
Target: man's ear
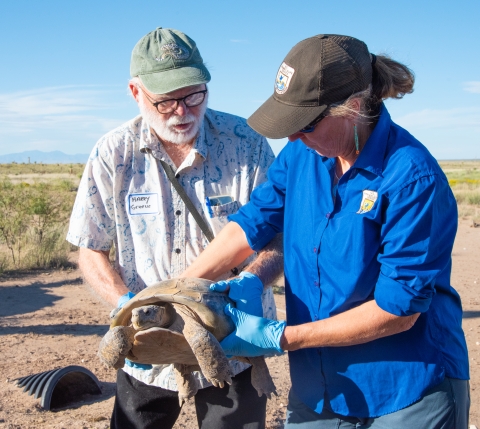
134	90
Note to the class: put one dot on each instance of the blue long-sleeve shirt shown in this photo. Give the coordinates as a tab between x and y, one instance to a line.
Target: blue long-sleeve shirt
385	234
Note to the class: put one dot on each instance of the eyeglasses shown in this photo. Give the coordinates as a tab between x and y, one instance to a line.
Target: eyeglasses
311	126
170	105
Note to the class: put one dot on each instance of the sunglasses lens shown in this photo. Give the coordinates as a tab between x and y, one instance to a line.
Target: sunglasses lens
308	129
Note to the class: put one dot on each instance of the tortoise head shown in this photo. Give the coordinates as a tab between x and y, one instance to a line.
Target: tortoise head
149	316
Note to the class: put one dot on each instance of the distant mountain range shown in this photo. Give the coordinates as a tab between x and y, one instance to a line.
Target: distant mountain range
55	157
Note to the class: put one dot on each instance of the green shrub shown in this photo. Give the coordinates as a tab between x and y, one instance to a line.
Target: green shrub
33	222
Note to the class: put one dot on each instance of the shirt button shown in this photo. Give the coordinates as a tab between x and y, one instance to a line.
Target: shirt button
327	215
178	251
178	212
314	250
315	283
177	175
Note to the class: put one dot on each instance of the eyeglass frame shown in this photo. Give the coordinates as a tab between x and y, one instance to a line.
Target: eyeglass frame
157	103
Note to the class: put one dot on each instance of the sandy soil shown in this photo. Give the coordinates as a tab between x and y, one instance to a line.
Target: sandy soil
50	320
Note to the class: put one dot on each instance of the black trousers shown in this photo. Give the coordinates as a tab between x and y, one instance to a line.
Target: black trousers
140	406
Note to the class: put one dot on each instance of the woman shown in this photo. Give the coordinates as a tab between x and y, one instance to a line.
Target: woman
373	325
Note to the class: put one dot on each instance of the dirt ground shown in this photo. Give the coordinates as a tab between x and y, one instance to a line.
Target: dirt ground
50	320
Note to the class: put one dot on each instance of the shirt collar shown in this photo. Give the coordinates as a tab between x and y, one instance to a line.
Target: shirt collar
372	156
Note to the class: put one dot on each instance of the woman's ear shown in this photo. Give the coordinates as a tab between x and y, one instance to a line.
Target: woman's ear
356	104
355	107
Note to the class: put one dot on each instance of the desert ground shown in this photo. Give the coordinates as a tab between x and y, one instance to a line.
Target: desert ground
51	319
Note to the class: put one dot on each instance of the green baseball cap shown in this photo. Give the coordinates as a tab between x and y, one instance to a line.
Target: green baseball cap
166	60
317	72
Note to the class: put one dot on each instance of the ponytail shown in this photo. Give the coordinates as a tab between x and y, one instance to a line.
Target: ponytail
390	79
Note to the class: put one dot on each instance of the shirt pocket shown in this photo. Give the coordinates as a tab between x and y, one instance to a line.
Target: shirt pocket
220	215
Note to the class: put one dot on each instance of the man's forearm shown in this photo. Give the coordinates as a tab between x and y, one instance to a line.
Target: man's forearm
100	275
362	324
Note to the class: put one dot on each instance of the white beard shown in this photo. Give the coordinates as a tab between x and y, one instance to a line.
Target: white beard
165	128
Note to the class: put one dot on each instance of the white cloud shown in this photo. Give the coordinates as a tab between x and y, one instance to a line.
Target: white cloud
52	101
67	118
468	117
473	86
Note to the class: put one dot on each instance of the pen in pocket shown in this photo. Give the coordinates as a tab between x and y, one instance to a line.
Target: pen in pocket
209	207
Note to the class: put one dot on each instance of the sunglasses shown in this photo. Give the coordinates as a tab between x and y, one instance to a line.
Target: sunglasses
311	126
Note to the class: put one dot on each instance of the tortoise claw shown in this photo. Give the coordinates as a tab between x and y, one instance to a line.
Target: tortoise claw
220	383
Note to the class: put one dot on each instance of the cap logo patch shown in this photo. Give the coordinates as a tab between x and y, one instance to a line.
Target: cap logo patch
368	201
172	50
284	76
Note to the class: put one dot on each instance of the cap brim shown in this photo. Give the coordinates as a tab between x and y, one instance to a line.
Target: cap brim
170	80
277	120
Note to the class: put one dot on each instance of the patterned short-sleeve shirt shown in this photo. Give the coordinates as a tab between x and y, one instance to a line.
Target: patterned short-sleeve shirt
125	199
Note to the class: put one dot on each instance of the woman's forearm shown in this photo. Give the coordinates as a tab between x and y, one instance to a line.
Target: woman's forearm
362	324
268	265
228	249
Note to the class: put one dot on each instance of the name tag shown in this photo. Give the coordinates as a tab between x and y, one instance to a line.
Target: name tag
139	204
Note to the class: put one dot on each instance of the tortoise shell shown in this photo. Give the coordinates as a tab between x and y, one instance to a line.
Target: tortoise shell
194	293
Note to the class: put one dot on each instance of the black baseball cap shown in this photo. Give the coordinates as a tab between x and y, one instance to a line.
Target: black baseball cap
317	72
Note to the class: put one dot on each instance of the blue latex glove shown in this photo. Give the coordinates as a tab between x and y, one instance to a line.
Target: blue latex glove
254	336
120	303
124	298
137	365
246	290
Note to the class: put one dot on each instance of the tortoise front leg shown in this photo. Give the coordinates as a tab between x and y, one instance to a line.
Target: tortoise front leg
116	345
210	355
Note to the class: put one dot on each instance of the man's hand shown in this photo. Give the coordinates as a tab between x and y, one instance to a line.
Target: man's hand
246	290
121	302
253	336
137	365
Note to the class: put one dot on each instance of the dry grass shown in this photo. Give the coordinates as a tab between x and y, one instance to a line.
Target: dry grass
41	173
464	179
46	193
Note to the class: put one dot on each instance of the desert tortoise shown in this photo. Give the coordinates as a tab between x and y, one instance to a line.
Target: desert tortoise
179	321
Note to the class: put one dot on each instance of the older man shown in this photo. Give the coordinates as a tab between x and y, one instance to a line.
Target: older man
126	200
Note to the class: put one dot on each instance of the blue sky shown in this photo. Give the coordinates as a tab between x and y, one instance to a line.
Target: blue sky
65	65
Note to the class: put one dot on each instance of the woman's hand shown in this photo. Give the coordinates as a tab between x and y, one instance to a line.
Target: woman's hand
246	290
253	336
